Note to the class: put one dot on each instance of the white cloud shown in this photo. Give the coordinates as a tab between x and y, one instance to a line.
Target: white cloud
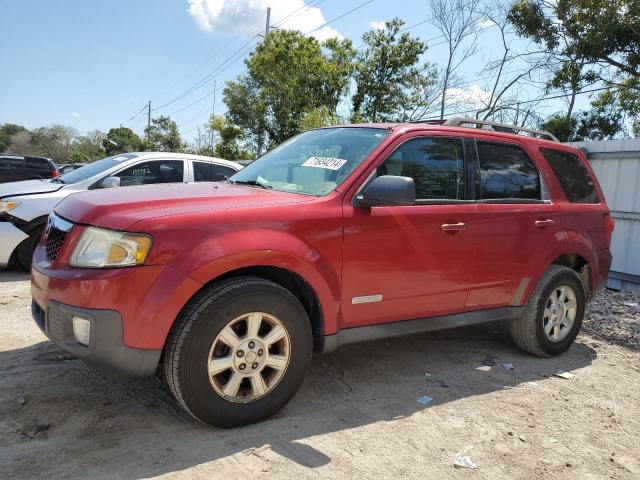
485	23
378	25
247	17
474	95
75	114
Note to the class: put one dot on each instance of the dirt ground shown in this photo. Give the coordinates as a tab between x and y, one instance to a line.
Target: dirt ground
357	415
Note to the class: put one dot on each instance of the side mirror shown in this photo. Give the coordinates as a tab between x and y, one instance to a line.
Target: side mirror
110	182
387	190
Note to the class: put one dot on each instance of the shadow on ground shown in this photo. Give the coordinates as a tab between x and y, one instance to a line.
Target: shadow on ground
73	416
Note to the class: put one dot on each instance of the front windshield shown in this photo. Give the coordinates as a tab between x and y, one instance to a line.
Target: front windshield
313	163
88	171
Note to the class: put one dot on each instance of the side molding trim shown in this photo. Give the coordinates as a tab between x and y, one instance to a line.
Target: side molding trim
366	299
408	327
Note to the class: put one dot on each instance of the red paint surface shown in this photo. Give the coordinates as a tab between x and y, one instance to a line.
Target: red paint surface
202	231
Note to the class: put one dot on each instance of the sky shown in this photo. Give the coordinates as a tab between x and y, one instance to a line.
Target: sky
95	64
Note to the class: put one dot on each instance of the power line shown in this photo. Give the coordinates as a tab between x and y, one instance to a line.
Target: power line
340	16
521	102
219	69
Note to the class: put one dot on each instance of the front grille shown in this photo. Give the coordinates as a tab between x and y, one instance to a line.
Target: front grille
55	239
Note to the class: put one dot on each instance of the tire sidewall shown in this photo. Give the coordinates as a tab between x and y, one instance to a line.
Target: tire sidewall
570	279
199	395
28	246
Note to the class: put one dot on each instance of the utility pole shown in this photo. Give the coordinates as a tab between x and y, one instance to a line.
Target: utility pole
149	114
268	26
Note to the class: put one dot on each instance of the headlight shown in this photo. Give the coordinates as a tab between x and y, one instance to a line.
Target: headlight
100	248
8	205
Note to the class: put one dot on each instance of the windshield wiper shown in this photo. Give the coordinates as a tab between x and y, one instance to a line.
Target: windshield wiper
57	180
256	183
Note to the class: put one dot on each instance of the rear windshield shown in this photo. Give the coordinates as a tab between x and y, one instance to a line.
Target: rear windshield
572	175
95	168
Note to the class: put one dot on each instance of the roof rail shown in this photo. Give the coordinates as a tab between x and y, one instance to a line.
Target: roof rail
498	127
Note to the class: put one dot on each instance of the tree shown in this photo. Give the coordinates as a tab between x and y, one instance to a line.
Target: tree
228	140
592	40
120	140
54	142
387	74
289	75
163	136
509	72
604	121
317	118
457	21
7	130
88	148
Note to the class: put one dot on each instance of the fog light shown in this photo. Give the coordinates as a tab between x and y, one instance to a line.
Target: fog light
81	330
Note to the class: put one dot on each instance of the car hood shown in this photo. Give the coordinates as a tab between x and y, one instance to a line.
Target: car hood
119	208
28	187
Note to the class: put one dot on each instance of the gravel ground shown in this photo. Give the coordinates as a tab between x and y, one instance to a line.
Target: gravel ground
357	415
614	317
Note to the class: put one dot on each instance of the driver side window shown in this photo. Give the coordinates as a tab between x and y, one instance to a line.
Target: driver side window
154	171
436	165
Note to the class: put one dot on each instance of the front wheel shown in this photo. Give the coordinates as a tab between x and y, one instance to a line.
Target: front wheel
553	314
239	352
27	247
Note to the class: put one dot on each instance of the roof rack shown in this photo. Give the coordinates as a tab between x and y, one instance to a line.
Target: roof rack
498	127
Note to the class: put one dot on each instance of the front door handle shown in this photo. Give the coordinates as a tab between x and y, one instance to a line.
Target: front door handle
544	223
453	227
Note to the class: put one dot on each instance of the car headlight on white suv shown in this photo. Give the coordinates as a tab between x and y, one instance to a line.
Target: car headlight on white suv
101	248
8	205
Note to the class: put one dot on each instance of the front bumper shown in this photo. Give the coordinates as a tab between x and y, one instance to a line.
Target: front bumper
10	237
106	350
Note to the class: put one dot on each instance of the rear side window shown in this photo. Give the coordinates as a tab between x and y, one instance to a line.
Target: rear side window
211	172
11	162
436	165
572	175
155	171
37	163
506	172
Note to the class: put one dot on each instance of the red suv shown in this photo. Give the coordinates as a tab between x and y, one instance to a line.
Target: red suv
339	235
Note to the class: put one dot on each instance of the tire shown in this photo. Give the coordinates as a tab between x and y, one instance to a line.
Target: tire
200	331
528	331
27	247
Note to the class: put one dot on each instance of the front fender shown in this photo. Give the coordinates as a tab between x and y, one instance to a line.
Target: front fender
234	250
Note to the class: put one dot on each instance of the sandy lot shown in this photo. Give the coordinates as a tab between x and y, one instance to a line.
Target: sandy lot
356	416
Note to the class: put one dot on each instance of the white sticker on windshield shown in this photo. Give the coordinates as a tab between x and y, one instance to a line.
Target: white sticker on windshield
120	159
329	163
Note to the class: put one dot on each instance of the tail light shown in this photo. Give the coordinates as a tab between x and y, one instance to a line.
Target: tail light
55	174
608	228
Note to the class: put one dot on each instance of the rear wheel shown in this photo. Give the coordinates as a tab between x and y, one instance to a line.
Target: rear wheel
553	314
239	352
27	247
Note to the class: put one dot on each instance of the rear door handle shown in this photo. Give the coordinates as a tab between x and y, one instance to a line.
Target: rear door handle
544	223
453	227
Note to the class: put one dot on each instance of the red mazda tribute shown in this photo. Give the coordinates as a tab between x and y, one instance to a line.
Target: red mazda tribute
338	235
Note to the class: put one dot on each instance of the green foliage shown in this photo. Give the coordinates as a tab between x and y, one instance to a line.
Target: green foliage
592	40
163	136
120	140
229	141
54	142
7	130
602	122
288	76
87	148
386	74
319	117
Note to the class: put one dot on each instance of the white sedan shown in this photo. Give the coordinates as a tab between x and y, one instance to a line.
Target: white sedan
25	206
